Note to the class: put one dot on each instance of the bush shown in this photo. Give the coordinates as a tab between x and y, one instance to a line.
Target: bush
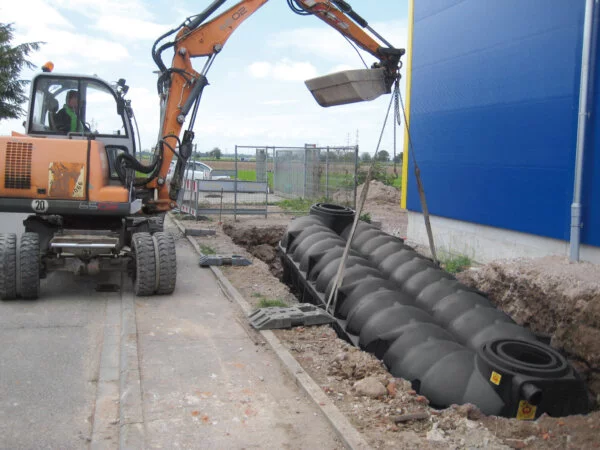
455	264
379	173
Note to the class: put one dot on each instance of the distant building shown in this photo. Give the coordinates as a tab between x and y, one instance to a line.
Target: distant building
494	90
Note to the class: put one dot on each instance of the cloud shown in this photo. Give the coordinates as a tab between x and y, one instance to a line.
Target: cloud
260	69
74	49
34	14
130	27
329	44
284	70
278	102
95	8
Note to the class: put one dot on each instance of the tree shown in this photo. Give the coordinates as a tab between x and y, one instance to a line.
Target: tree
398	158
12	61
215	153
365	157
383	156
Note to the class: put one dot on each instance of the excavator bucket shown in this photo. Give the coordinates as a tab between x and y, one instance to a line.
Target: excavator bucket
348	86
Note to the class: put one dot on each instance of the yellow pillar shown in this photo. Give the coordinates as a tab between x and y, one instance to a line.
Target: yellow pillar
406	155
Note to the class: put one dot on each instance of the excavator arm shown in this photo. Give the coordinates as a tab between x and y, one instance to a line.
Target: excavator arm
180	86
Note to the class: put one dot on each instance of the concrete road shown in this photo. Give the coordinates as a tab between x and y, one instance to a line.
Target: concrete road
209	381
105	370
49	360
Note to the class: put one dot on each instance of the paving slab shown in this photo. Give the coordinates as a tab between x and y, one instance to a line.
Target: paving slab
209	381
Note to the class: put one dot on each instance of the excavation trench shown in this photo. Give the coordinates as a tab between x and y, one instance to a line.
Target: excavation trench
378	306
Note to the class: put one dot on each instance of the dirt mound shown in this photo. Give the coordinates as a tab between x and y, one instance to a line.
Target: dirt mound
554	297
380	193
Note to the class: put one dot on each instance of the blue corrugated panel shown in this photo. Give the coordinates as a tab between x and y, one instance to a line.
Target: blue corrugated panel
591	174
494	110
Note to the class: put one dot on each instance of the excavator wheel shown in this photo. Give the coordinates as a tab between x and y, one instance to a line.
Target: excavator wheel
29	266
145	264
167	262
8	266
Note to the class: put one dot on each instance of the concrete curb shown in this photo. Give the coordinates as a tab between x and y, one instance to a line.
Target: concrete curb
349	436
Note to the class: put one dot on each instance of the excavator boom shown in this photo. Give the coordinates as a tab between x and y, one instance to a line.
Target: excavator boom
181	86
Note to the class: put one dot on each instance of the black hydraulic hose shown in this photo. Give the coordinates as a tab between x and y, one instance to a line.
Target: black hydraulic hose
156	54
298	8
205	14
347	9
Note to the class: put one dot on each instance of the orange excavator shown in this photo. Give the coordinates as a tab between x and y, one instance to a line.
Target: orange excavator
93	205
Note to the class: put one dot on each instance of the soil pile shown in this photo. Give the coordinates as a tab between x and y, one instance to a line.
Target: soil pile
379	193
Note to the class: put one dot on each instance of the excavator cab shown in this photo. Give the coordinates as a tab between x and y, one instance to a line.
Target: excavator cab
103	113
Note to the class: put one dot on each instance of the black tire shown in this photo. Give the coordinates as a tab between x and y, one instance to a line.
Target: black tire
167	263
8	266
156	224
29	266
144	280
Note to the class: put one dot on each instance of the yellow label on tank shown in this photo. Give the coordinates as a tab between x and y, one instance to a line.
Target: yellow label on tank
496	378
526	411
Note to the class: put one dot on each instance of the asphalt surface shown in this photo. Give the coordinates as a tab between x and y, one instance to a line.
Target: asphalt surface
104	370
49	361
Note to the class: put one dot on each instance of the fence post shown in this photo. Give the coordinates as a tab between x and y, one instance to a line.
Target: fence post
235	186
327	174
355	173
305	172
197	197
275	184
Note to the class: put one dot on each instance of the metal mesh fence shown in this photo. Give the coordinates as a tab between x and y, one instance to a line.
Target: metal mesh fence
259	175
231	187
328	173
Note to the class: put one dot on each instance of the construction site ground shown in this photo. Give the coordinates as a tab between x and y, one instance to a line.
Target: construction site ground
555	298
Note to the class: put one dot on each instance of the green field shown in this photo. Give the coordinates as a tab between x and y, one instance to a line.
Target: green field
250	175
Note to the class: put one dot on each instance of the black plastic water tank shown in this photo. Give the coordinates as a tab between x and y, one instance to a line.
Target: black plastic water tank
444	337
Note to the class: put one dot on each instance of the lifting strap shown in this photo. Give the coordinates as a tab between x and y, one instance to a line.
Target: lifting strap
339	277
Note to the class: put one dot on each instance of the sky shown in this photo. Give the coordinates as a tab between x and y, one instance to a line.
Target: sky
256	95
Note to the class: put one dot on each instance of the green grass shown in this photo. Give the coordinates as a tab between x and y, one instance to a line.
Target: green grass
250	175
365	217
269	303
207	250
456	264
296	204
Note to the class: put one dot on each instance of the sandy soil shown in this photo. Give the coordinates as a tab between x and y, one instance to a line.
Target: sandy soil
549	295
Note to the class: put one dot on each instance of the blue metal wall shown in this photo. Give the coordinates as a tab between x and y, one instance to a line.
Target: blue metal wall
494	101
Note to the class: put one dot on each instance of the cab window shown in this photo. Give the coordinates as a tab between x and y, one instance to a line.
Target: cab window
100	110
49	96
97	109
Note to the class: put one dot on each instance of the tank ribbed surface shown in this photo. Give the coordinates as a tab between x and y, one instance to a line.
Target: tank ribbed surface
447	339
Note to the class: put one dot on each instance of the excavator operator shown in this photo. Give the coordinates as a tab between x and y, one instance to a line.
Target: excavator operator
67	119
